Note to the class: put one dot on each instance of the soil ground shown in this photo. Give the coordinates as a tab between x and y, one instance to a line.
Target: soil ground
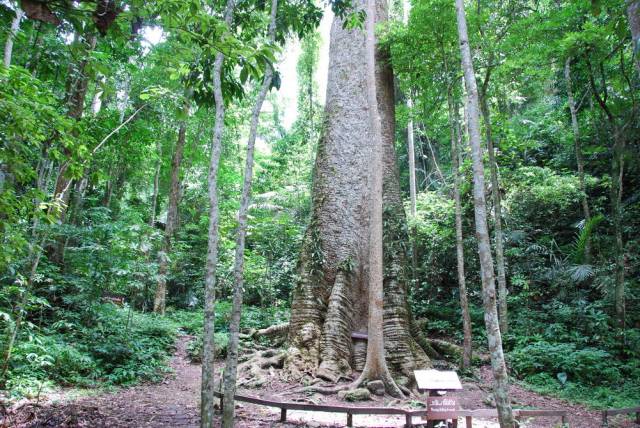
175	401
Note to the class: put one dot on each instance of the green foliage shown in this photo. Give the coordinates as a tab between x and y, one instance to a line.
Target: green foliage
118	347
194	349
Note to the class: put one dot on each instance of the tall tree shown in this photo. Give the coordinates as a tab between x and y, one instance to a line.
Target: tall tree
411	155
462	283
330	299
494	337
375	367
231	369
633	15
578	152
159	302
617	173
13	31
208	350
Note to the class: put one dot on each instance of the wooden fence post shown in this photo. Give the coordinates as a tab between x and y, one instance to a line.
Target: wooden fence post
469	421
408	421
349	420
605	420
283	415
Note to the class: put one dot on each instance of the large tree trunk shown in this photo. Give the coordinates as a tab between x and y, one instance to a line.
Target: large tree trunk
208	349
8	44
231	368
462	284
494	338
375	367
578	148
330	299
159	302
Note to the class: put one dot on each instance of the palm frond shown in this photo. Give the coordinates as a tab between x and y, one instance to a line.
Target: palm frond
582	238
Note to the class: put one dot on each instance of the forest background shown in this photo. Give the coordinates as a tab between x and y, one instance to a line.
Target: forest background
121	128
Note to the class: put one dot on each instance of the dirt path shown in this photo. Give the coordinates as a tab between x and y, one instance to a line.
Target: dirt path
175	402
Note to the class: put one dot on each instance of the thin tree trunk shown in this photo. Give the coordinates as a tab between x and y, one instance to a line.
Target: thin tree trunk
462	285
156	185
375	364
494	337
8	44
159	302
617	171
231	369
411	152
208	349
633	14
578	148
96	102
497	209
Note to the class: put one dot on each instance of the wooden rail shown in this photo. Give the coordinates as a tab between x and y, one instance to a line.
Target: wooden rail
408	414
626	411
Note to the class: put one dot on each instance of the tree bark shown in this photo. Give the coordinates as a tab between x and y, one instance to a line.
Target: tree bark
633	14
156	185
462	285
578	148
208	346
13	31
159	302
503	313
494	337
330	299
231	368
375	367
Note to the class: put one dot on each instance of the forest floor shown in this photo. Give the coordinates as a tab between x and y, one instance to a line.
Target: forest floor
174	402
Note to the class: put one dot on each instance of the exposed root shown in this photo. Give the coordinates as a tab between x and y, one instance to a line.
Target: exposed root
271	331
390	385
259	368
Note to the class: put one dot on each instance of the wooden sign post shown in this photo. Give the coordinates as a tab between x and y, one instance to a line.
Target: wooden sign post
436	383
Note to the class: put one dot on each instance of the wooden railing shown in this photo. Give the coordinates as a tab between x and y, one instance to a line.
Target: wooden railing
408	414
614	412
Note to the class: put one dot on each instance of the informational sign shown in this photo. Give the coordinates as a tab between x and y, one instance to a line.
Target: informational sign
437	380
442	407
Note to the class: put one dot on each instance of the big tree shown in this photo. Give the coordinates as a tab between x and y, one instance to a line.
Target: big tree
330	300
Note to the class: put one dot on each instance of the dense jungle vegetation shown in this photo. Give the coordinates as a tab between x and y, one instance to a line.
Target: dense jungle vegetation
106	133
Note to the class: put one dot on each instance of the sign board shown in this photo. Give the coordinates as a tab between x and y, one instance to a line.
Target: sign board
442	408
437	380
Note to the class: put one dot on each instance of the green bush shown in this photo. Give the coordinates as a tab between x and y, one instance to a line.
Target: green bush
194	349
589	366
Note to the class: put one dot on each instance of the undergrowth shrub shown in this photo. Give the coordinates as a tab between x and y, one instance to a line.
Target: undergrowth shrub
194	348
590	366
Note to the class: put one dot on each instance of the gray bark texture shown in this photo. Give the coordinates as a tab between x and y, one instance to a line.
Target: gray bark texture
375	367
330	299
494	338
503	313
462	283
208	345
231	368
8	44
